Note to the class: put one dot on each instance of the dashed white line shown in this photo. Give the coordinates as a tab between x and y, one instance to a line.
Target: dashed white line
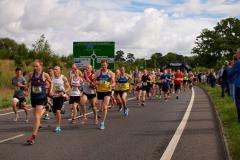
168	153
81	116
3	114
92	112
11	138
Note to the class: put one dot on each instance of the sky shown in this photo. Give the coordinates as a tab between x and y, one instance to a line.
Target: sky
142	27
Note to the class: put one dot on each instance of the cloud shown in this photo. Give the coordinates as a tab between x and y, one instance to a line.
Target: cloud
159	27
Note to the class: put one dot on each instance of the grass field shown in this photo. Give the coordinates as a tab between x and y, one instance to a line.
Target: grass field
227	112
5	97
6	73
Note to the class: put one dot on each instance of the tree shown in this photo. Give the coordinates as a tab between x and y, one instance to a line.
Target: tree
42	49
156	60
8	48
223	40
42	46
119	57
172	58
130	58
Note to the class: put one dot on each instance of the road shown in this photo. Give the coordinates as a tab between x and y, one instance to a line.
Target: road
145	134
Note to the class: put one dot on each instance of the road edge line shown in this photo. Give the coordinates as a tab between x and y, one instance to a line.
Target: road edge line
169	151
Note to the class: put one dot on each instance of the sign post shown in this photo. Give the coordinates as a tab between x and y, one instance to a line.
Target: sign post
85	53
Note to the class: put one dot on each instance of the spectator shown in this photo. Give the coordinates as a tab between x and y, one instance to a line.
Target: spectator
224	79
235	74
212	78
231	80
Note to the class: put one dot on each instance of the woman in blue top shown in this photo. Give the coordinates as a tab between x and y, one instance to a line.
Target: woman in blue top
235	74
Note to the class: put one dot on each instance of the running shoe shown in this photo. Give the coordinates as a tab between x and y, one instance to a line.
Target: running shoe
102	126
57	130
46	117
126	112
143	104
31	140
177	97
63	110
15	119
120	109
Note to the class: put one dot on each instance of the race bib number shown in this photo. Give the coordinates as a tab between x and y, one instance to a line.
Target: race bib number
75	89
145	84
86	83
103	82
37	89
17	88
122	84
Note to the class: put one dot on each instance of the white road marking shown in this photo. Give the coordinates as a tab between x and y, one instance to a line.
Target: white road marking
131	98
11	138
81	116
3	114
92	112
168	153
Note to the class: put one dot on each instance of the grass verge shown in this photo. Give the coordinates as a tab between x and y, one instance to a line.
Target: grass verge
227	112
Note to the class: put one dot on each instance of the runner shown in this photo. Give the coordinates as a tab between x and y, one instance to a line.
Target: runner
59	93
104	82
158	83
48	106
117	91
72	72
178	78
145	85
185	80
166	84
37	81
190	79
135	81
171	82
75	94
151	92
123	83
89	94
19	97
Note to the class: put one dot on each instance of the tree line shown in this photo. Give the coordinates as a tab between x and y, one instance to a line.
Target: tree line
23	56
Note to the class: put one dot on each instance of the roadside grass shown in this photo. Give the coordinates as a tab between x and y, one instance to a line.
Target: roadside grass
228	115
7	69
5	97
7	72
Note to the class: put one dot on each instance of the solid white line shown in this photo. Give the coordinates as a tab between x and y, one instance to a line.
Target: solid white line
131	98
168	153
3	114
17	136
81	116
92	112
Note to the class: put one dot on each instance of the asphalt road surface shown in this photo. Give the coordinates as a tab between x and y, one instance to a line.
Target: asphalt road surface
146	134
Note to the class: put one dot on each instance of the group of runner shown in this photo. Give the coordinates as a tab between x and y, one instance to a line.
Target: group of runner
157	83
101	89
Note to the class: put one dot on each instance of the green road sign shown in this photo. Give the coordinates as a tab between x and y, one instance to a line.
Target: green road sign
85	53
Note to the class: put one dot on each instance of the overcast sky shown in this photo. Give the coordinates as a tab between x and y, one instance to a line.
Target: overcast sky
141	27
